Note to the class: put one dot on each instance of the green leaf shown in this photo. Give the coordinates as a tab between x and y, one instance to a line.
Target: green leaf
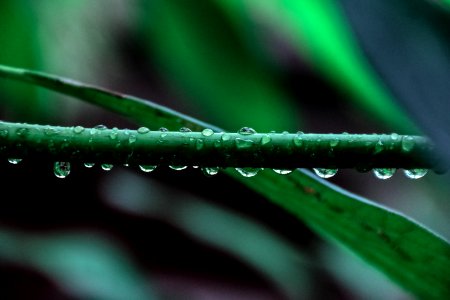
320	33
199	51
85	264
407	252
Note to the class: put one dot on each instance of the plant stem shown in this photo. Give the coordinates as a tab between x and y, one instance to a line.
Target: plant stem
208	149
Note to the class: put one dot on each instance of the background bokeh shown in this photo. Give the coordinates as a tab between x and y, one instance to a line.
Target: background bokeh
315	66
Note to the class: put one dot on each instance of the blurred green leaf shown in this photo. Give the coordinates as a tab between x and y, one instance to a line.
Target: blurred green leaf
199	50
405	251
241	237
409	45
85	264
318	29
19	47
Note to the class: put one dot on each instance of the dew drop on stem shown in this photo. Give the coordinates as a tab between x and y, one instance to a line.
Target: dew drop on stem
415	173
210	171
14	161
325	173
282	171
143	130
89	165
178	168
78	129
61	169
107	167
248	172
207	132
147	168
246	131
384	173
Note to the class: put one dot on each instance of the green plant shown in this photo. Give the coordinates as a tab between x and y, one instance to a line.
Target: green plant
408	253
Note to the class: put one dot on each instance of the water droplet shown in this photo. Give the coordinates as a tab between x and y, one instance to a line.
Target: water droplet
244	144
199	144
22	131
384	173
195	167
185	129
4	133
114	133
78	129
211	171
394	136
132	139
89	165
407	143
14	161
266	139
246	131
178	168
325	173
147	168
282	171
163	129
225	137
207	132
107	167
415	173
162	136
93	131
101	127
143	130
298	139
50	131
334	142
248	172
61	169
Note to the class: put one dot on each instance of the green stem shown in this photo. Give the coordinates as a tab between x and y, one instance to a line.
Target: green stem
209	149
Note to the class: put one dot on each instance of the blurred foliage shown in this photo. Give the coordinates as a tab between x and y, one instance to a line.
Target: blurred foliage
273	65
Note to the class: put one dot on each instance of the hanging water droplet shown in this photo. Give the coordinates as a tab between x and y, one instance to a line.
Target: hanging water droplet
225	137
248	172
143	130
3	133
114	133
89	165
334	142
283	171
147	168
384	173
415	173
163	129
14	161
407	143
178	168
61	169
211	171
325	173
266	139
246	131
199	144
185	129
394	136
132	139
207	132
107	167
244	144
195	167
78	129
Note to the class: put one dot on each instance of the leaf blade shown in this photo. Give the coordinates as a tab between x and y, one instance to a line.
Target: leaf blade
407	252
